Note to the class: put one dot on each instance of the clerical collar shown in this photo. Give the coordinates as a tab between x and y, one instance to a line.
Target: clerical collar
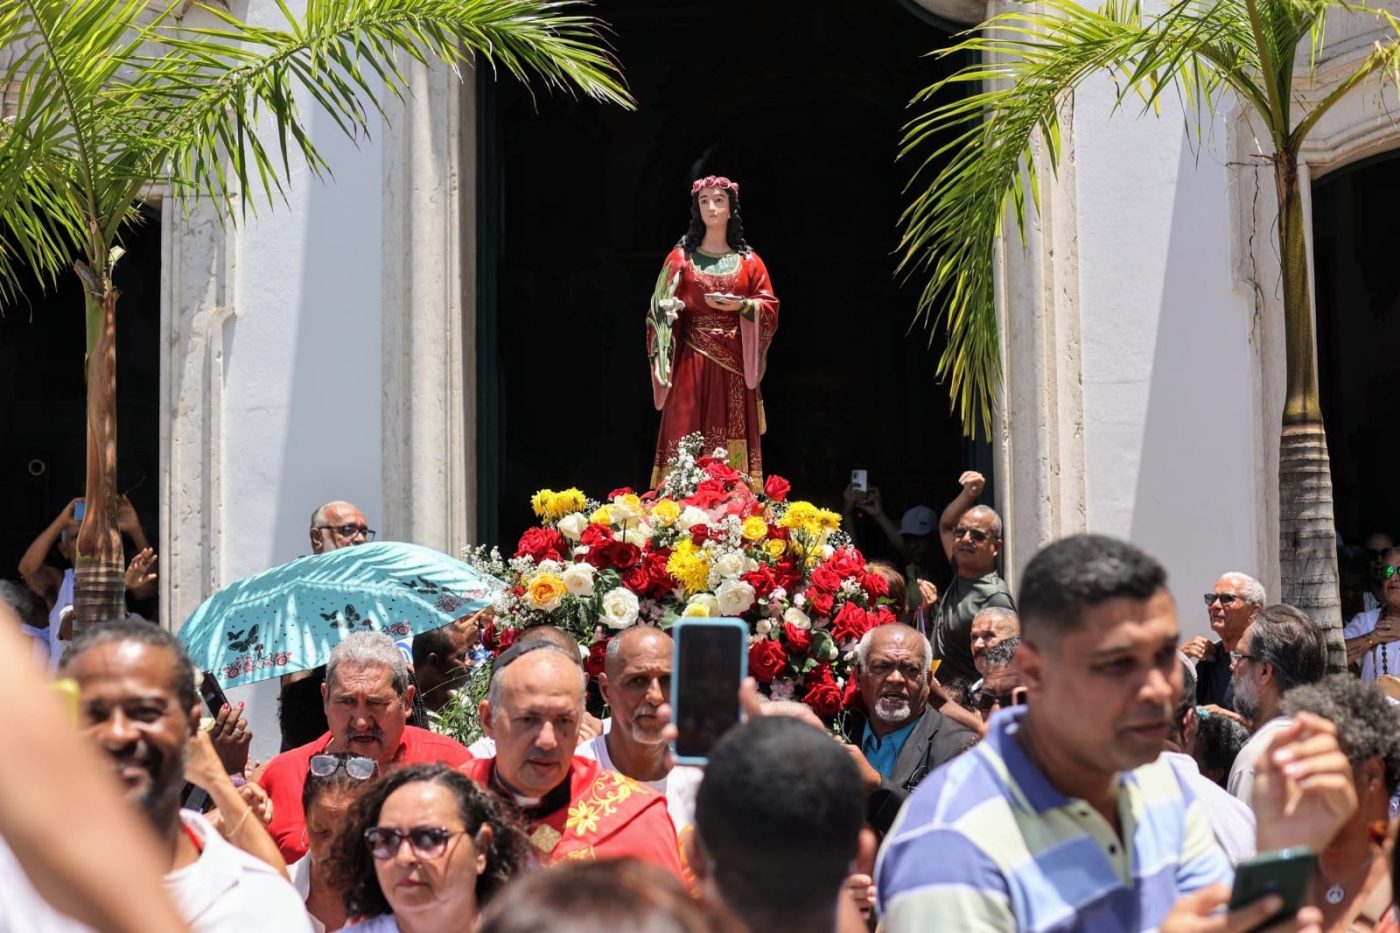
534	808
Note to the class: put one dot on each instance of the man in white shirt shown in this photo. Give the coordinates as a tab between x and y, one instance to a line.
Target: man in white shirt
635	682
1280	650
138	703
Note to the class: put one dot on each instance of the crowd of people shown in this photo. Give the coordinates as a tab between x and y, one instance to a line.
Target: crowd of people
1061	759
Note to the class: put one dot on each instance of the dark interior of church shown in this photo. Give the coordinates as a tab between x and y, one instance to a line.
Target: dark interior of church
802	103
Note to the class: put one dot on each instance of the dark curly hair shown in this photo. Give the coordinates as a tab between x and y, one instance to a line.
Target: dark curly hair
734	234
352	866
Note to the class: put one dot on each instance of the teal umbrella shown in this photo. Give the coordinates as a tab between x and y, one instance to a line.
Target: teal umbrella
288	619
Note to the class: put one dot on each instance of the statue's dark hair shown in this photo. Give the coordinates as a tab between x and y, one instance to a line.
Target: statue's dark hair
695	234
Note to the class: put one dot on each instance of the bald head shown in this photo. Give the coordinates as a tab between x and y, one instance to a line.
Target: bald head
632	641
635	682
533	711
548	633
336	525
989	628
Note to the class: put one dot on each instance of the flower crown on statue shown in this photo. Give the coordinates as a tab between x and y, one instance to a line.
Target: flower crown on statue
713	181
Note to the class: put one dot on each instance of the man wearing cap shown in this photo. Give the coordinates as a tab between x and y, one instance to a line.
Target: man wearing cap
971	536
571	807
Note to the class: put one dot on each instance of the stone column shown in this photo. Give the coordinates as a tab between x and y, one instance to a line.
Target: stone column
428	299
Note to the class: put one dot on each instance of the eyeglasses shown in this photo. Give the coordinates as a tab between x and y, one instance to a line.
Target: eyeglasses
427	842
1238	656
985	701
1388	571
349	531
1226	599
357	767
976	534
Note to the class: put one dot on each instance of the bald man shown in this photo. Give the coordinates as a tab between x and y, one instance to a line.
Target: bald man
336	525
635	682
572	807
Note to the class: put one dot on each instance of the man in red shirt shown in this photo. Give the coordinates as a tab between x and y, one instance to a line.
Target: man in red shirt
572	807
368	699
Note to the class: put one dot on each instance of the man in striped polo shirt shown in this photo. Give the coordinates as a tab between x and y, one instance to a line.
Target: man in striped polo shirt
1064	818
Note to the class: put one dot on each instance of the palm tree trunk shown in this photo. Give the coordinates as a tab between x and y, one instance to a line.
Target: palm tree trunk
1307	530
99	584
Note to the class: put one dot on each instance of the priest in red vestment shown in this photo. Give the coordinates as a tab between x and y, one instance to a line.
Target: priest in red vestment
573	808
712	317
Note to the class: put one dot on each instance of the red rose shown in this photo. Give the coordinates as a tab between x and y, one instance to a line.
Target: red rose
659	580
595	535
766	660
875	584
788	573
708	494
699	534
637	580
506	638
847	562
822	603
597	654
488	634
624	491
623	555
824	578
850	623
850	697
880	615
776	488
822	695
762	581
723	472
541	544
799	639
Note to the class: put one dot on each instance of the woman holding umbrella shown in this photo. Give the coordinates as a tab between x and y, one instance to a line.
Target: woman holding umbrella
424	849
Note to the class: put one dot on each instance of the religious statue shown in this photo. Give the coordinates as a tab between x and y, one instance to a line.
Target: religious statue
712	317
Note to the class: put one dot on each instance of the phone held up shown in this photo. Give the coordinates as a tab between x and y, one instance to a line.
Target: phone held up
213	694
860	480
79	509
1285	873
711	660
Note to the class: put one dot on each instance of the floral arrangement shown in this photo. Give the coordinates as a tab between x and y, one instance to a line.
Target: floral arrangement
702	544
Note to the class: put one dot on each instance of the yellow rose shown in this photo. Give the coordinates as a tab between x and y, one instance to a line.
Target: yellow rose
665	512
755	528
775	547
562	503
545	591
696	611
601	516
540	501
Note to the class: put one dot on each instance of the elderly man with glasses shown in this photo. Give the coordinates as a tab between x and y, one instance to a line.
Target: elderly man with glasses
367	698
971	536
1232	605
336	525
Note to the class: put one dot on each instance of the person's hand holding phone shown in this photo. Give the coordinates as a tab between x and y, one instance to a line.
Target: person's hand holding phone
1197	913
230	737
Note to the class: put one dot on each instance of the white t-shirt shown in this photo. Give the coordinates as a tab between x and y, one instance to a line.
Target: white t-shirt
679	787
1383	658
1232	821
229	891
300	872
22	909
1241	781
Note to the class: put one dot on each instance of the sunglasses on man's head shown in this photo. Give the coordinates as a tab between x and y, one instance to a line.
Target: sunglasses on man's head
357	766
976	534
1226	599
427	842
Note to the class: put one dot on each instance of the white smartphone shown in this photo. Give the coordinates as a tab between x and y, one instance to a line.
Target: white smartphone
860	480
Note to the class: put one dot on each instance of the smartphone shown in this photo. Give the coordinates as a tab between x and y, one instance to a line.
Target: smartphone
212	693
711	660
860	480
1286	873
79	510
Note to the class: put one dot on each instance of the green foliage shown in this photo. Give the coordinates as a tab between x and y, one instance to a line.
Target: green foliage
979	149
114	96
458	719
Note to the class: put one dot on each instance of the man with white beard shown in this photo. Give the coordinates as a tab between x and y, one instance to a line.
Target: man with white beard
902	738
636	680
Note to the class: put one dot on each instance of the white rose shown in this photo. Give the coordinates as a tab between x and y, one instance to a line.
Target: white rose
826	551
730	564
620	608
763	627
735	597
572	525
550	566
579	579
621	513
635	535
708	602
690	515
797	618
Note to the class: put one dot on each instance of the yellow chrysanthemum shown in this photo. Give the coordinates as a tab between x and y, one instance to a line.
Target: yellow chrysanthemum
800	515
754	529
665	512
689	566
828	520
601	516
540	501
562	503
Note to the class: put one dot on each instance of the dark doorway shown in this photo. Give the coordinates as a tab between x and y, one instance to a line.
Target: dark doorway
802	103
1358	333
43	396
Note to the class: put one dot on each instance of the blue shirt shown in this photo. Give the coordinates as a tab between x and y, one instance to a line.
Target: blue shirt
882	753
987	843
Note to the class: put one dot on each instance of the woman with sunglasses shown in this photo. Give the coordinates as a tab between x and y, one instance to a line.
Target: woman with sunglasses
1373	636
333	782
424	849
